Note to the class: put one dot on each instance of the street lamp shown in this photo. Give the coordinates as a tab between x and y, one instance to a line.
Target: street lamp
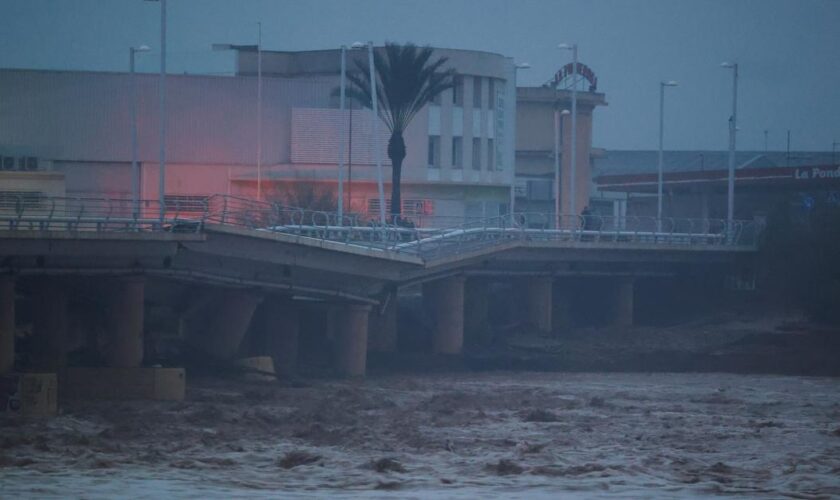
558	116
662	86
375	117
733	124
258	48
574	48
162	93
516	68
354	46
135	169
833	151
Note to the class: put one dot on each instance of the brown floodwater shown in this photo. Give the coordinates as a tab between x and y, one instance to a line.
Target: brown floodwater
445	435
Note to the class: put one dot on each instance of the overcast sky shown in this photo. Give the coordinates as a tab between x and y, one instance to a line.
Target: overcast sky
788	51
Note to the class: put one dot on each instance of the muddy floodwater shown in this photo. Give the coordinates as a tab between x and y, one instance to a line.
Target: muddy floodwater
446	435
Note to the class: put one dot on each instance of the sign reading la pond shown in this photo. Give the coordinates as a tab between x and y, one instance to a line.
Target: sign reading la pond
811	173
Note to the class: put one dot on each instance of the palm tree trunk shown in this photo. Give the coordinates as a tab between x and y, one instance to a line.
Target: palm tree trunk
396	152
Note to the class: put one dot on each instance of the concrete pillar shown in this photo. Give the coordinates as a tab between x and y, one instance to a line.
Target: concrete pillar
382	327
538	302
623	307
49	327
561	316
444	300
349	325
226	320
125	323
476	308
7	324
279	332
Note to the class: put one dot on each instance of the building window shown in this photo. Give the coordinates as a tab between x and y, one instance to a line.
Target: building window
434	151
409	207
491	154
185	203
476	153
457	152
20	200
476	92
458	91
491	94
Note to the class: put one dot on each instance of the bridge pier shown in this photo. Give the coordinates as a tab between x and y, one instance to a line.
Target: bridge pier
49	327
349	326
561	316
623	302
539	302
476	309
444	300
7	323
125	324
223	323
278	332
382	328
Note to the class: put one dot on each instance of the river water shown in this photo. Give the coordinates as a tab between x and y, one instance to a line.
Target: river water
512	435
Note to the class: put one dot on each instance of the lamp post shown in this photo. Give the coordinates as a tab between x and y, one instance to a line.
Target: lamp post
162	94
135	169
833	152
344	127
573	170
341	139
375	117
662	86
558	116
259	111
258	49
516	68
733	123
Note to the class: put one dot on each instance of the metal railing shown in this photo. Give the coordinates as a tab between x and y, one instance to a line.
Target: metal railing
423	236
96	214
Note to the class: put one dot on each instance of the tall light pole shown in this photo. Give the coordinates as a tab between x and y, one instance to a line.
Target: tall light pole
258	49
135	168
573	170
558	116
733	124
344	127
375	117
516	68
662	86
162	94
341	138
833	152
259	111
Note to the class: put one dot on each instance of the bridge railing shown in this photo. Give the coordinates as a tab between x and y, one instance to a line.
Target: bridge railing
42	213
427	236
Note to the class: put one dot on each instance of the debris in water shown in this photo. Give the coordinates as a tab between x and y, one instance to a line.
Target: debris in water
295	458
505	467
387	465
388	485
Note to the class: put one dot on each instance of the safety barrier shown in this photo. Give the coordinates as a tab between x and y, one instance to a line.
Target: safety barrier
425	236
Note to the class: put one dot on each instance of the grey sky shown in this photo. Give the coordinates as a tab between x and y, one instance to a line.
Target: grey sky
787	50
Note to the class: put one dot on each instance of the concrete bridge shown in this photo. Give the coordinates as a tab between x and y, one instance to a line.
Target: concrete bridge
213	273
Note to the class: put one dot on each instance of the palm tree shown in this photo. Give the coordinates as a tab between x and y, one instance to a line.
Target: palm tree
407	81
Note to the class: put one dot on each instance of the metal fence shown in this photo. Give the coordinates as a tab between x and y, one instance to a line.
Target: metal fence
424	236
42	213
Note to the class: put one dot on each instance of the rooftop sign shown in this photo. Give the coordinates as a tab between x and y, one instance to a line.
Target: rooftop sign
583	70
